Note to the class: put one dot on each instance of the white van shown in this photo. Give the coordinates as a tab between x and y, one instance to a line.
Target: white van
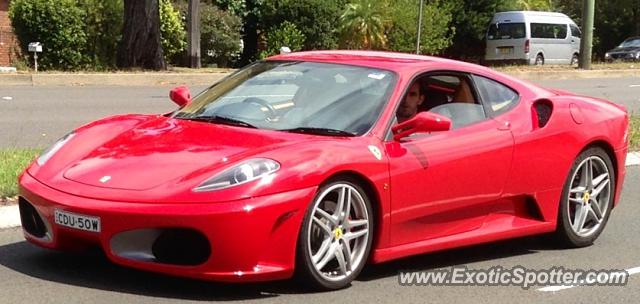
532	37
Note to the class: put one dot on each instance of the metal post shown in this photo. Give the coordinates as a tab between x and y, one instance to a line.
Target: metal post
419	27
586	43
35	61
193	32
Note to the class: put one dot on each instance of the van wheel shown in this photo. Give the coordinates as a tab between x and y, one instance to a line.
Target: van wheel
574	59
539	60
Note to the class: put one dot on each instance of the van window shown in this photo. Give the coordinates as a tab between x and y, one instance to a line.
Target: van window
548	30
506	31
575	31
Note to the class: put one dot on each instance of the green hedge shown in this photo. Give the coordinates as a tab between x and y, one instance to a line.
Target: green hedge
58	24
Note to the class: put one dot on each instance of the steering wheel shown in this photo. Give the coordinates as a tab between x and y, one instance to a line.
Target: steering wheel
262	103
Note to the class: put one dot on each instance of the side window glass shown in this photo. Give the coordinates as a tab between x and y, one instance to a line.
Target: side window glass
548	30
575	31
497	97
452	96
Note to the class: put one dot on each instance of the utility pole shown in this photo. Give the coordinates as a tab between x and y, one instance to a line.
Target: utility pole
193	29
419	27
586	43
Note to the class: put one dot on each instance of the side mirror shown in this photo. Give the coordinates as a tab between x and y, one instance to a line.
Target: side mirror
421	122
180	95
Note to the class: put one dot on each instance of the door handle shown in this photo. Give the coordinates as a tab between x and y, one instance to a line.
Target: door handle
504	126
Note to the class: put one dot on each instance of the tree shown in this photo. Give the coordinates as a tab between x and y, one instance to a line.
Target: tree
287	34
471	18
615	20
140	45
58	25
317	19
534	5
362	25
220	36
437	32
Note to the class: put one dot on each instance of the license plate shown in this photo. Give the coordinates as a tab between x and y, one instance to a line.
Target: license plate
77	221
505	51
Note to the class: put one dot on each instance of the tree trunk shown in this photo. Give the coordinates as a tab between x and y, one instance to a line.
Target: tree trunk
193	27
250	33
140	45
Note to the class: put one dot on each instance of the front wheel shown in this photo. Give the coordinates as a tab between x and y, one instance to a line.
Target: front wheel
336	235
587	199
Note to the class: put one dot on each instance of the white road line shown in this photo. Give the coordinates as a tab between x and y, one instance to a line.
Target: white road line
635	86
555	288
633	270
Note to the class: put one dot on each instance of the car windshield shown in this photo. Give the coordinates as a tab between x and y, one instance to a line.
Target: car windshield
506	31
306	97
631	43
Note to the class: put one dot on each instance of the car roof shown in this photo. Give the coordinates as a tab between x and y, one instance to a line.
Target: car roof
393	61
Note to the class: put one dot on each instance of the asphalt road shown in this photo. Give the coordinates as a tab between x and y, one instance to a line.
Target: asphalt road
29	274
37	116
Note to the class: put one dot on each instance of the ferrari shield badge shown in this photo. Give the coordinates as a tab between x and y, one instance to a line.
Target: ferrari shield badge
376	152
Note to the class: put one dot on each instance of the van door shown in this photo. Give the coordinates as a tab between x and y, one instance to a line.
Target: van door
576	35
552	41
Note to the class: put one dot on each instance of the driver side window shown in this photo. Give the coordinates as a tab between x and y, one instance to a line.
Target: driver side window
454	96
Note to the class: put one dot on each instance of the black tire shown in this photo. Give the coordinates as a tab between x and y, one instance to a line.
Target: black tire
574	59
539	60
305	269
565	234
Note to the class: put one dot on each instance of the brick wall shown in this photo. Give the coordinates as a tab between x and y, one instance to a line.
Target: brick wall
7	39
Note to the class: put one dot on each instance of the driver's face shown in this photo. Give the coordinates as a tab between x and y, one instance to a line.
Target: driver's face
410	103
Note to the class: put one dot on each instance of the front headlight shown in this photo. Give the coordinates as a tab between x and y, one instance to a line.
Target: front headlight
607	55
239	174
44	157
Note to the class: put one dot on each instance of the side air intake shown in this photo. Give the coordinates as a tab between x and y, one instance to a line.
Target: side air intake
541	113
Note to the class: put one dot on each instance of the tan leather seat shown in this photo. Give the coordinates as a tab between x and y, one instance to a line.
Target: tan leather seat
463	94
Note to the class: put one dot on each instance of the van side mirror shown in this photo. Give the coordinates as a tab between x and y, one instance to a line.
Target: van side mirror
180	95
421	122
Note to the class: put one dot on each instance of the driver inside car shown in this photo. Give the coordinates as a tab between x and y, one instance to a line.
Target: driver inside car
412	100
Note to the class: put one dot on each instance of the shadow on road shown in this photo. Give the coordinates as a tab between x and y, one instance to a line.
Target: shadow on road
93	270
460	257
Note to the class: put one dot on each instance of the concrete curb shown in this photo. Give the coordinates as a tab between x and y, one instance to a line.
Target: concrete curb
10	215
160	78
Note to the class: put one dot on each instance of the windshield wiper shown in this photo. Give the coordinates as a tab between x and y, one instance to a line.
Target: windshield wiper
319	131
222	120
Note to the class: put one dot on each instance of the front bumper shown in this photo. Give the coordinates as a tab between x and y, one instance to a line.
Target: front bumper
250	240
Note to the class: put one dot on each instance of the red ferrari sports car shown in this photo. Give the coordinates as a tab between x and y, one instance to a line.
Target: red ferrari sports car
316	163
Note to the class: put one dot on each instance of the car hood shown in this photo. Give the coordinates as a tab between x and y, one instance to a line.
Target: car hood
624	50
164	149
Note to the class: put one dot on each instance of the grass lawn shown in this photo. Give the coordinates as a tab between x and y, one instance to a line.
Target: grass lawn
634	133
12	163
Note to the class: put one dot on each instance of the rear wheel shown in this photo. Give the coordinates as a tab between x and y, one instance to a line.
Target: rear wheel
574	59
336	235
587	199
539	60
